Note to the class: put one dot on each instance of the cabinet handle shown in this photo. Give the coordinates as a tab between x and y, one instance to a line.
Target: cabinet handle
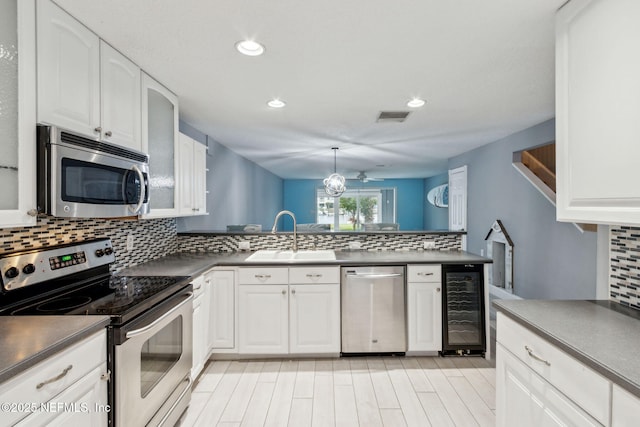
263	276
197	287
293	291
437	289
32	212
106	376
424	274
108	133
313	276
533	356
284	292
98	129
56	378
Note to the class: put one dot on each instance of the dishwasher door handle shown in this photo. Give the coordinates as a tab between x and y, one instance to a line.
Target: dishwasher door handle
374	275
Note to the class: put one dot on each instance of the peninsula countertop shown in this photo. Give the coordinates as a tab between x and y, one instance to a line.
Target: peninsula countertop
28	340
601	334
193	264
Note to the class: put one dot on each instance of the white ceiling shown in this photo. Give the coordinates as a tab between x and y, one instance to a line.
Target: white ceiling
485	68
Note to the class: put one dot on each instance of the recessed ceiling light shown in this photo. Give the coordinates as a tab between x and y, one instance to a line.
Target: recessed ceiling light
250	48
415	103
276	103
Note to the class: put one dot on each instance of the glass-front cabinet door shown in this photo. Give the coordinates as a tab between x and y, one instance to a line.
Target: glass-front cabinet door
159	140
17	113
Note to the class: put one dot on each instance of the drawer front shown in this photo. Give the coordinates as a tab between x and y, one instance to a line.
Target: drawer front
424	273
83	357
585	387
198	286
264	276
313	275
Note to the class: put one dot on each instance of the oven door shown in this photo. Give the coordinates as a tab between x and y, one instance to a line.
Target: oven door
152	364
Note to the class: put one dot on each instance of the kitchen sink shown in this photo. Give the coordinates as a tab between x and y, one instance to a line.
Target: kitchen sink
287	256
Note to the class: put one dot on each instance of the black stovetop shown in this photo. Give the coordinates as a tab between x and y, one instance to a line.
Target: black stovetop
120	297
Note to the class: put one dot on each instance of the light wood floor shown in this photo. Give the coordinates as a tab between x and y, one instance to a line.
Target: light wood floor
365	392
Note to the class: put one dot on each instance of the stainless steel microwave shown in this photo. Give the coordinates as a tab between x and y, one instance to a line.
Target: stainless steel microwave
79	177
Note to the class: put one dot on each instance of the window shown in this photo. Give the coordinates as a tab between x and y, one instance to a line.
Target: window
363	209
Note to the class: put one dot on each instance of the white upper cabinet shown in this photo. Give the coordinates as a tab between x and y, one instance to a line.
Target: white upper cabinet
17	117
120	84
85	85
68	71
192	177
160	138
597	109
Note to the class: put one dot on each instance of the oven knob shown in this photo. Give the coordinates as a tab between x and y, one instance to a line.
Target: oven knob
11	273
108	251
99	253
28	269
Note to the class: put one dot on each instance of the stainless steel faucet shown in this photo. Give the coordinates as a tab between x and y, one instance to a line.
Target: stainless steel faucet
295	235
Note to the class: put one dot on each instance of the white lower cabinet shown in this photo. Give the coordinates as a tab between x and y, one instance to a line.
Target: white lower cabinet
625	408
200	326
264	319
538	384
424	308
292	311
68	388
222	309
314	318
524	399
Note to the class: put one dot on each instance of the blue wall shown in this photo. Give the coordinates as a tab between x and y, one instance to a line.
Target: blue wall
240	191
300	198
552	260
435	218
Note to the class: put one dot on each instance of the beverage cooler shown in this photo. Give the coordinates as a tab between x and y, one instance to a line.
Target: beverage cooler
463	322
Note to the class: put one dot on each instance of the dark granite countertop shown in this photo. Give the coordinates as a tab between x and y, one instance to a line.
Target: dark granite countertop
601	334
193	264
28	340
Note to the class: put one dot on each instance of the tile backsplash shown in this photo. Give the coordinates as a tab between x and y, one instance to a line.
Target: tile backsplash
152	238
374	241
624	265
155	238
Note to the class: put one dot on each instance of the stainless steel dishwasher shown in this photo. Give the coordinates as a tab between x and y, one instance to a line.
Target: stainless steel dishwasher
373	310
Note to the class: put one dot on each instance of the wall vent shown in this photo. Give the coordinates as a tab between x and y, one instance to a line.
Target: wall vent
392	116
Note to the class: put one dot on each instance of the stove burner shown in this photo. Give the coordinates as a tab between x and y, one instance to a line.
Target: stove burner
63	304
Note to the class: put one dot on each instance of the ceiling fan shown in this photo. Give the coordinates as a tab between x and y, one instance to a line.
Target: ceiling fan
362	177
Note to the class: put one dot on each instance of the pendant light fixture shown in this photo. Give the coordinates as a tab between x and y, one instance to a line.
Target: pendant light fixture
334	184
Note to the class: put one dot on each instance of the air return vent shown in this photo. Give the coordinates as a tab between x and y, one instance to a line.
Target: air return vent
392	116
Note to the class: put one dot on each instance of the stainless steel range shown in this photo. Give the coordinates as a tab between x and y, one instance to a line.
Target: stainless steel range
150	335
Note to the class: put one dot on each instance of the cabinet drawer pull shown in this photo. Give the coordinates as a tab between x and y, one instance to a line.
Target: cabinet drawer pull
197	287
422	273
533	356
284	292
56	378
108	133
263	276
293	291
437	289
314	276
98	129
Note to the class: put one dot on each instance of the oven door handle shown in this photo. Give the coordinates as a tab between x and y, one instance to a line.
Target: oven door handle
143	190
144	329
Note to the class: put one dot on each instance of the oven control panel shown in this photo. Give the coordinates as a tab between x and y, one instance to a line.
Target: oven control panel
27	268
67	260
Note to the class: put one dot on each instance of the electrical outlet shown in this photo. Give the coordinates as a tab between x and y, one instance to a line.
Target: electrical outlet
244	245
129	242
429	245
